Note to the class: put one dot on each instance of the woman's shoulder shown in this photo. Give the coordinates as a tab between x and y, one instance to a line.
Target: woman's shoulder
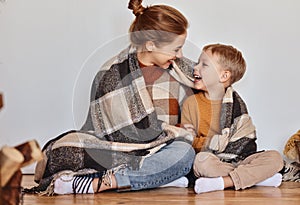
118	66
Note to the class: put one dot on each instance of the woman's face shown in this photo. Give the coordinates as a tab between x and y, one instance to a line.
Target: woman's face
164	54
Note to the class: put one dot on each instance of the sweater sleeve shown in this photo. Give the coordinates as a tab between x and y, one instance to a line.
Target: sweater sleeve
190	115
186	117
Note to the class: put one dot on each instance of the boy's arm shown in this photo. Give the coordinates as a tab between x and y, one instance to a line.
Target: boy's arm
189	111
186	120
185	115
190	120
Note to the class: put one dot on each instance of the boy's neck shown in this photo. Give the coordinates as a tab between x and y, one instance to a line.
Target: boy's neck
215	94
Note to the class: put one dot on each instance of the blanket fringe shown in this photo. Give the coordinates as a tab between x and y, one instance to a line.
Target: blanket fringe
50	189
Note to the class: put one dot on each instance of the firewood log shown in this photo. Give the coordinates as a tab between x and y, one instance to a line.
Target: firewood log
31	152
11	192
10	161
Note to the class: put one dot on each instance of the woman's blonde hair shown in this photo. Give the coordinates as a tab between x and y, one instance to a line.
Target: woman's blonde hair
157	23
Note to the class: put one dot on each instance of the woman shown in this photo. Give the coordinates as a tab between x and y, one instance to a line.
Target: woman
129	141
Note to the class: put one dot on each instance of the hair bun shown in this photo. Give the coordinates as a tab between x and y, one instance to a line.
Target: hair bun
136	7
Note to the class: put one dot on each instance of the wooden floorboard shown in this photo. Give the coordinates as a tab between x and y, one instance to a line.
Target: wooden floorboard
287	194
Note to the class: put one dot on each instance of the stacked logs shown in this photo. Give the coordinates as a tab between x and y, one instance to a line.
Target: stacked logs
12	159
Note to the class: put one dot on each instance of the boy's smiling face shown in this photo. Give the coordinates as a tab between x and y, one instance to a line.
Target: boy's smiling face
208	73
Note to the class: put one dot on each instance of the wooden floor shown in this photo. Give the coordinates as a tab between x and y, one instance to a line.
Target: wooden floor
287	194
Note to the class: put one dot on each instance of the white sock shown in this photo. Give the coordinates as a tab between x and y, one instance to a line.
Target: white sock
64	185
274	180
208	184
181	182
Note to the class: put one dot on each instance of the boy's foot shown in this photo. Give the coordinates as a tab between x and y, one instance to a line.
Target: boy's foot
275	181
203	185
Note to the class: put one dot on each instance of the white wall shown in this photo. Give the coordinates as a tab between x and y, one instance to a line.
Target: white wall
50	51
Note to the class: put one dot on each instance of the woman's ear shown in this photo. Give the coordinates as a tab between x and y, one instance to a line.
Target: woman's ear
225	76
150	46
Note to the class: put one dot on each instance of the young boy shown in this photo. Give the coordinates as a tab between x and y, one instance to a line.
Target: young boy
225	142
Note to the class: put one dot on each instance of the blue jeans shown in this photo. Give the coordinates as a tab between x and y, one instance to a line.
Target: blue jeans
171	162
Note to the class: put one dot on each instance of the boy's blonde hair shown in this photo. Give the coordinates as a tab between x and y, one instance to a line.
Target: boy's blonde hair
230	59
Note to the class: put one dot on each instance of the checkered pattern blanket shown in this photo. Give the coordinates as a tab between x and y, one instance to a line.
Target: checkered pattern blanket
238	135
125	108
129	119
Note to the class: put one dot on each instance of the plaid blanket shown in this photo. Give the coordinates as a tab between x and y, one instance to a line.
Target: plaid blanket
237	138
121	105
123	125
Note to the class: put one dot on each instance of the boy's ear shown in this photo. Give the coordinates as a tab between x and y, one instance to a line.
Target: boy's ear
225	76
149	45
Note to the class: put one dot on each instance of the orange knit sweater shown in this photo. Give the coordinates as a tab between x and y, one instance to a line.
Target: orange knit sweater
204	115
